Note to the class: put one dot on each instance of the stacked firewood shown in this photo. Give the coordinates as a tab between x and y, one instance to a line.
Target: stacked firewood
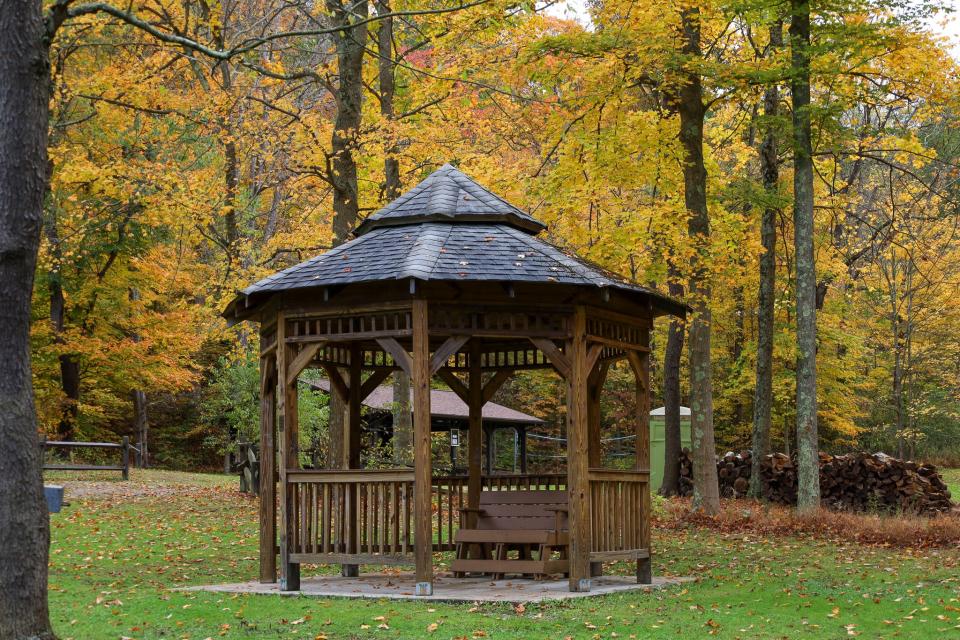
852	482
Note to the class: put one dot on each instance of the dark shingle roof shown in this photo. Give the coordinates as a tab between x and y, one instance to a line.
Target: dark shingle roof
447	193
442	251
447	228
443	404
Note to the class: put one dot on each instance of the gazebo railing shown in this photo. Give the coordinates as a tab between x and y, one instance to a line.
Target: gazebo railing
366	516
349	517
619	530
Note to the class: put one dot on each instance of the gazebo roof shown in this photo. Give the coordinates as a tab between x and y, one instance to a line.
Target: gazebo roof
448	193
447	228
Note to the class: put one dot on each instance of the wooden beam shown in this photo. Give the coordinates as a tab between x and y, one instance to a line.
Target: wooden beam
595	382
422	484
593	354
351	449
619	344
268	484
373	382
455	384
450	346
400	355
299	363
578	478
354	389
337	384
287	428
495	383
636	363
553	353
640	363
354	558
267	368
475	404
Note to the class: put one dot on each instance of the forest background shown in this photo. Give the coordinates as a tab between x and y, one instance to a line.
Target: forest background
178	179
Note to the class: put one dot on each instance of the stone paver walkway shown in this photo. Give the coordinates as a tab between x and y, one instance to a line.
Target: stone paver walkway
445	588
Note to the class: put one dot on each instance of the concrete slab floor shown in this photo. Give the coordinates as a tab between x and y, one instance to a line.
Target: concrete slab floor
445	588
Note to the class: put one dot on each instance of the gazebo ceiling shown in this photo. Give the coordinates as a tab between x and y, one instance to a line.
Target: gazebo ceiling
447	228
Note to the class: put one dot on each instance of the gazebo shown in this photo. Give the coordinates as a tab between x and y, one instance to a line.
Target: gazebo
447	281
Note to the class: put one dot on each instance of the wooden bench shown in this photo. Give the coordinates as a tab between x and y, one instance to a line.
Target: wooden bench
533	524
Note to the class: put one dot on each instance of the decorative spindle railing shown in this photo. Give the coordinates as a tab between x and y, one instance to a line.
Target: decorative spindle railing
359	516
366	516
619	502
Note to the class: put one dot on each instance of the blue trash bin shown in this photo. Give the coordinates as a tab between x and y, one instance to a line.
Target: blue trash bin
54	495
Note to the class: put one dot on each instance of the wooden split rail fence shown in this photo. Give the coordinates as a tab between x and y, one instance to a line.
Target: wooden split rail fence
123	467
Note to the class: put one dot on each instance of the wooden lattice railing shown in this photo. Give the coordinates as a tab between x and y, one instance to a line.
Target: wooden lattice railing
619	513
366	516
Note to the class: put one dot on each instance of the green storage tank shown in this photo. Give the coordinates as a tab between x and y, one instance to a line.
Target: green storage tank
657	444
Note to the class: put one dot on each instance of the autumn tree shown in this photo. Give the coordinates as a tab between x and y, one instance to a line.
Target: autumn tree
770	171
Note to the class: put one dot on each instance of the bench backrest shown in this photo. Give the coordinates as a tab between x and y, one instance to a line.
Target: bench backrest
522	510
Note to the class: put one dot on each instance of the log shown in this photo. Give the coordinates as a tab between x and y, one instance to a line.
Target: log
857	481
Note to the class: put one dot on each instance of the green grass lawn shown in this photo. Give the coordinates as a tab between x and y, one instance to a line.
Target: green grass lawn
116	554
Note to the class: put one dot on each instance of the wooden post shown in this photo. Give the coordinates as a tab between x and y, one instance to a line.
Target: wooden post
523	450
578	455
351	446
640	362
595	380
475	404
287	423
487	451
268	485
125	456
422	472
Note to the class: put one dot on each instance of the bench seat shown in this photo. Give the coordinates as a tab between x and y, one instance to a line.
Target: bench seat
530	524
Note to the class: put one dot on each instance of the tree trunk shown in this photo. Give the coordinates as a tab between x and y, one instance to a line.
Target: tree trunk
349	93
402	418
141	426
897	330
139	397
672	442
69	367
808	465
770	170
343	171
691	109
388	88
24	523
70	385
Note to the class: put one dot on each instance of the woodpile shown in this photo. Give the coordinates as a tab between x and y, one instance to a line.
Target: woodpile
850	482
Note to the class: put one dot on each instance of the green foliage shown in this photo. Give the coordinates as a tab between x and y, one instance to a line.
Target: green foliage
231	408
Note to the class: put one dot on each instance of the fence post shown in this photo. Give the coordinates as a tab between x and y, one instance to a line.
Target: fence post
125	448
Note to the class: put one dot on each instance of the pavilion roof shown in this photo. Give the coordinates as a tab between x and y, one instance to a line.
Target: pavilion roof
443	404
447	228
